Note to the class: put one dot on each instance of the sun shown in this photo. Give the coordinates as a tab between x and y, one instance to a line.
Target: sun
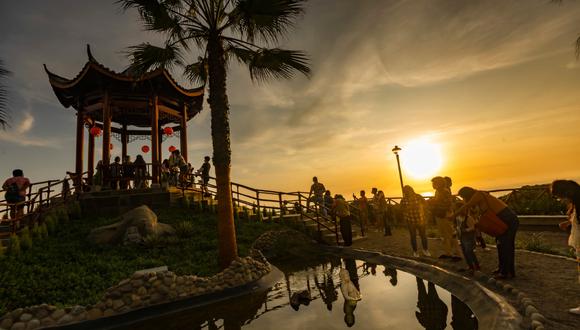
421	158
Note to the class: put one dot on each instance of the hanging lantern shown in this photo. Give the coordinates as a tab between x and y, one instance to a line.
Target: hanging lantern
110	146
95	131
145	149
172	149
168	131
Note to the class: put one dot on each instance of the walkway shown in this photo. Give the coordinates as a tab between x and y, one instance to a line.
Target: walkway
552	283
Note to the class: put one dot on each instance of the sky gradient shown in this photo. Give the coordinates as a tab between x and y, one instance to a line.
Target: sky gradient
494	83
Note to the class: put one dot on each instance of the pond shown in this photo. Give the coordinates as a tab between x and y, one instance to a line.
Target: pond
311	298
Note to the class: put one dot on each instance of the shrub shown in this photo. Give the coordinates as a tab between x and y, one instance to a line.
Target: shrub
43	230
2	251
185	202
537	243
36	234
14	245
25	239
62	214
152	241
184	229
74	210
50	224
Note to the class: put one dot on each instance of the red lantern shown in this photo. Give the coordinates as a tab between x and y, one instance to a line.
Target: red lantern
145	149
172	149
110	146
168	131
95	131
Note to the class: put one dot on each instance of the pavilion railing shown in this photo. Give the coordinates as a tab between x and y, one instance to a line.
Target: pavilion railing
41	197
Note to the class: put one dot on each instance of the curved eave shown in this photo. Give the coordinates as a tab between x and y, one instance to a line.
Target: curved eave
63	83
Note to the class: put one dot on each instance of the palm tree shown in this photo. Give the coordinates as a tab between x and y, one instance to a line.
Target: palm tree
3	97
220	30
559	2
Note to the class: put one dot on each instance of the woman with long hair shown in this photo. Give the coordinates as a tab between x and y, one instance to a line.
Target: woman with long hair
569	192
506	245
441	206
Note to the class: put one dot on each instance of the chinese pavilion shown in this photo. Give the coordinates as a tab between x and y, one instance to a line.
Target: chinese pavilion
109	102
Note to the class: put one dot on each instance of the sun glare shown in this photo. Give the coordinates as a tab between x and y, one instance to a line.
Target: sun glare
421	158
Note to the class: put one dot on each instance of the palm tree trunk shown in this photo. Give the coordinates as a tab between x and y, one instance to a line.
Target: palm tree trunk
220	132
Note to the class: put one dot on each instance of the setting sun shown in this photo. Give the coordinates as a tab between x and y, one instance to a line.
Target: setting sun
421	158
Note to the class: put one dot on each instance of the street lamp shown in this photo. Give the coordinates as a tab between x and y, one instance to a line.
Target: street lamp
396	150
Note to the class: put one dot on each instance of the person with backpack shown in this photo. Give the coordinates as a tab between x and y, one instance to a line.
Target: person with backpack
15	192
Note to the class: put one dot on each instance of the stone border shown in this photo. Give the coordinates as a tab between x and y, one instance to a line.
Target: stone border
493	311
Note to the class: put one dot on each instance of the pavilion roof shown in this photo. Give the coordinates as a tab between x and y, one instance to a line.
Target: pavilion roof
130	94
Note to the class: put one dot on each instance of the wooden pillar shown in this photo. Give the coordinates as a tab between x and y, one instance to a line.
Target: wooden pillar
106	130
91	157
183	132
124	141
155	139
79	147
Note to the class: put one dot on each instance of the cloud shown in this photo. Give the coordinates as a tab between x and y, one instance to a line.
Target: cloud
19	134
26	124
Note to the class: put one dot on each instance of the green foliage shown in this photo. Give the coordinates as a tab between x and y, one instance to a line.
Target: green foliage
25	239
536	242
184	229
533	200
74	210
36	234
79	272
62	214
43	231
14	245
185	202
50	222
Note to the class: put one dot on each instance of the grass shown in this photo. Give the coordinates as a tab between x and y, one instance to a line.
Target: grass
535	242
66	269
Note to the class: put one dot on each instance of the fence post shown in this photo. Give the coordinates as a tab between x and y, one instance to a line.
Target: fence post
238	193
300	205
258	204
281	203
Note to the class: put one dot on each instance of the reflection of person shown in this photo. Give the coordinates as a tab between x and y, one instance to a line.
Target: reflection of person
392	273
371	268
432	312
462	318
327	290
506	242
350	265
348	308
569	191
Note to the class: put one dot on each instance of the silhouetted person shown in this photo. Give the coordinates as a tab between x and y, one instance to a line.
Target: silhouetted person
327	290
363	206
392	273
316	194
140	172
128	173
204	173
370	268
413	209
116	170
15	192
462	318
340	209
432	314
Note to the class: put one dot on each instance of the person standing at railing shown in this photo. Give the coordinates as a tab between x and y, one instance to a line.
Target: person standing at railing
15	194
140	172
316	194
165	172
340	208
204	172
569	191
116	170
178	167
413	208
441	207
328	202
363	206
128	173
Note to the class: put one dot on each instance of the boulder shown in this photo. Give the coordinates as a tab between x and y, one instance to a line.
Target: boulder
132	227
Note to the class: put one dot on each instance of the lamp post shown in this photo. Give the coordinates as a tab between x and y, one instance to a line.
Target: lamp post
396	150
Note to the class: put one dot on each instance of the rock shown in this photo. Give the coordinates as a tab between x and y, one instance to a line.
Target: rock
6	323
47	322
67	318
77	310
18	326
57	314
25	317
142	291
536	324
491	281
33	324
137	283
156	298
508	288
530	309
141	218
42	313
94	314
126	288
526	302
16	313
117	304
538	317
162	289
108	312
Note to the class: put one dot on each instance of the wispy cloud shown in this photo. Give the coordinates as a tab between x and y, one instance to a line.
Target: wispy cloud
26	124
19	135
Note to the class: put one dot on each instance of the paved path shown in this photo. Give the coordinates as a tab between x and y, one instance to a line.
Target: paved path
552	283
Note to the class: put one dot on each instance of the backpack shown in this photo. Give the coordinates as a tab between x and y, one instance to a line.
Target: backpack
12	193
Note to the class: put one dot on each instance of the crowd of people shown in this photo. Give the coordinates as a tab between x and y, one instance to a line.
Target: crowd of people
460	220
175	171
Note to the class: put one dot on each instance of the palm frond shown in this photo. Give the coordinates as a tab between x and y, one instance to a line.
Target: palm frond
197	72
145	57
265	64
265	19
3	96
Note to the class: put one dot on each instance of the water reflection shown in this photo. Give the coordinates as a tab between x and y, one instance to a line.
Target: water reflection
307	297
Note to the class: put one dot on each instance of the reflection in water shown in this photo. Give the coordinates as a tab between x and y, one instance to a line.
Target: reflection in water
432	312
304	299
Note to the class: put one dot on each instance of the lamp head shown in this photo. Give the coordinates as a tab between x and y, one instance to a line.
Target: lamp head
396	150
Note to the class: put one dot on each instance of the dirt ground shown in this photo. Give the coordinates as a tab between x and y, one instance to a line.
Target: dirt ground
552	283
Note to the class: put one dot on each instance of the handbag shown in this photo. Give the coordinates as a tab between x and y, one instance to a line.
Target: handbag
490	223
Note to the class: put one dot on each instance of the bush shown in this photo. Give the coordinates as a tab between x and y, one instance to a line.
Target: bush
50	224
184	229
62	214
74	210
152	241
25	239
537	243
43	231
14	245
2	251
36	234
